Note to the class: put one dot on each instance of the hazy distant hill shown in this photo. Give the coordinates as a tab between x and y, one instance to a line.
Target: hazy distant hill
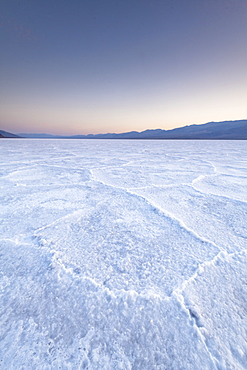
227	130
234	130
41	136
212	130
4	134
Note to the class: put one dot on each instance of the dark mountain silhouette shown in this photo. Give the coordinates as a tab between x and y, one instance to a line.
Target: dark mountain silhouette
4	134
226	130
234	130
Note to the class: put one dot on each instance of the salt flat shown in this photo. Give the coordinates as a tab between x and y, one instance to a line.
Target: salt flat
123	254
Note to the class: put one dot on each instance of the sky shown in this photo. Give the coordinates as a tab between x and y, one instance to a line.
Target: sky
98	66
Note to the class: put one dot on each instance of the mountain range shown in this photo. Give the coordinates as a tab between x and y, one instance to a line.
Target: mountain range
226	130
5	134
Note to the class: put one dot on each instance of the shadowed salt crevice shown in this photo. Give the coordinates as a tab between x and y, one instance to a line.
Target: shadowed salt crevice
194	319
190	306
218	289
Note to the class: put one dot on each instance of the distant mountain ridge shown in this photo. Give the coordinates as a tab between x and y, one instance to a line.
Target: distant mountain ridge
5	134
234	130
41	136
226	130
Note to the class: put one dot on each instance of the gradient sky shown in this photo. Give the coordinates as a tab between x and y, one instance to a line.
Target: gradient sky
97	66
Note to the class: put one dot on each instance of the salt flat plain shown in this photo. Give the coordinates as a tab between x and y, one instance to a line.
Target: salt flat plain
123	254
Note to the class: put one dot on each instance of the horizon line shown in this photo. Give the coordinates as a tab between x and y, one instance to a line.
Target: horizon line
125	132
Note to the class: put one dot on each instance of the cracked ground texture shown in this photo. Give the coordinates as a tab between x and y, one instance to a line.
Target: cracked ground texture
123	254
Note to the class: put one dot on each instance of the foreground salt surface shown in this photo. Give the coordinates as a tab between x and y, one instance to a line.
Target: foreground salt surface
123	254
